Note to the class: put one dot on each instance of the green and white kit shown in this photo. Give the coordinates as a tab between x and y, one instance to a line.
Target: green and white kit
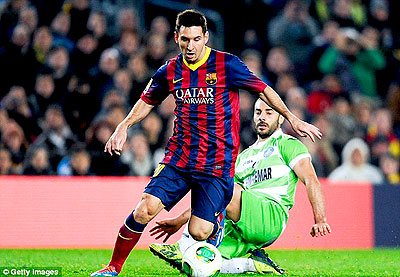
265	171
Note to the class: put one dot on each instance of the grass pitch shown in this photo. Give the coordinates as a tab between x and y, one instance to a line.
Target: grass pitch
76	262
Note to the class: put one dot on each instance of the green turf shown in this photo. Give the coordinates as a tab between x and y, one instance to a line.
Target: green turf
381	262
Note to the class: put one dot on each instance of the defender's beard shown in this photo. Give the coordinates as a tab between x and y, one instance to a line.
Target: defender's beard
269	132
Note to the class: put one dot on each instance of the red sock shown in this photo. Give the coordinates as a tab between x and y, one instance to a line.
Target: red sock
126	240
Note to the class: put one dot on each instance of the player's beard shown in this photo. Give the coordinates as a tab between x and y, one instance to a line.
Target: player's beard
267	133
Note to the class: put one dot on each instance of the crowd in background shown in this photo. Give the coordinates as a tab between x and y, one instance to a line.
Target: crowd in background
70	71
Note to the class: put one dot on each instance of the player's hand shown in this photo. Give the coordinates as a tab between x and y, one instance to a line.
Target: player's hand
304	129
320	229
116	141
166	228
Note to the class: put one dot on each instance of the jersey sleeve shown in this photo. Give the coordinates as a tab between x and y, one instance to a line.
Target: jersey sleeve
242	78
157	89
292	151
237	179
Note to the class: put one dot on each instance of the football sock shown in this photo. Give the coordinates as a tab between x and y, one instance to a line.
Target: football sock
237	266
128	236
186	240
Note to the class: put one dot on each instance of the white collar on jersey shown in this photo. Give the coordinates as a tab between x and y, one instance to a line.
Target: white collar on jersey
276	134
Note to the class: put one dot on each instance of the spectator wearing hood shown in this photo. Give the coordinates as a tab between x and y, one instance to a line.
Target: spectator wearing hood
355	164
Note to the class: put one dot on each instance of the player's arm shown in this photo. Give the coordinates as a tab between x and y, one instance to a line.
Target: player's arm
168	227
139	111
302	128
305	171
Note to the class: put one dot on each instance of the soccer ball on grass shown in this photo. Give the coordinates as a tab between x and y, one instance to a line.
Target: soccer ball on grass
202	260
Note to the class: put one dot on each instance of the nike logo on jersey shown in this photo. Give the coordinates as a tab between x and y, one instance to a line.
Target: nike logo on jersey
176	81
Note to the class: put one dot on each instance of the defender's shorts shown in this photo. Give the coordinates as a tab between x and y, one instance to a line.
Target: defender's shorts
210	194
261	222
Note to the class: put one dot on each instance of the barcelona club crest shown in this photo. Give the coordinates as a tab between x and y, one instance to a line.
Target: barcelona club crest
211	78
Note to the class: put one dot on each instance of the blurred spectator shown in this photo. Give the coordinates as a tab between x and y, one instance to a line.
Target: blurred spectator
20	110
43	95
381	137
127	46
246	132
15	142
390	168
251	40
42	43
58	61
379	17
156	50
355	166
324	156
86	54
138	156
347	13
253	59
78	164
354	58
19	65
127	20
38	162
80	11
285	82
393	104
152	127
113	98
123	82
342	118
160	26
79	107
60	27
297	98
115	114
56	137
362	113
9	18
5	162
102	76
294	30
322	41
102	163
29	17
16	101
321	99
277	63
97	24
140	73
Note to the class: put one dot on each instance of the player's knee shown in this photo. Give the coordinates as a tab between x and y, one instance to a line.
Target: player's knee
199	233
146	210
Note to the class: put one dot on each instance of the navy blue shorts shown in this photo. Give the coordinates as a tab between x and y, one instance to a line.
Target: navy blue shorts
210	194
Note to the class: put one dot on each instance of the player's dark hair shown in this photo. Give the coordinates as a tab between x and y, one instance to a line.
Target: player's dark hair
189	18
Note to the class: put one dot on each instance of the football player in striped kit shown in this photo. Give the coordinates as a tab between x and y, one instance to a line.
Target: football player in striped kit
201	154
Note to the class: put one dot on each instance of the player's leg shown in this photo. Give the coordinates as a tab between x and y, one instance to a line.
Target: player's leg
210	196
172	253
165	189
260	224
130	232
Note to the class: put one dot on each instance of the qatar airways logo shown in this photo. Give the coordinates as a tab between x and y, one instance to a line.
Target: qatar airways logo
196	95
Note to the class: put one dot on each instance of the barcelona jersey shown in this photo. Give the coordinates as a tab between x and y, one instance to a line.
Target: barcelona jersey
206	127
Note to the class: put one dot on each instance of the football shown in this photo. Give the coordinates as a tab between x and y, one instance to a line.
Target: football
202	260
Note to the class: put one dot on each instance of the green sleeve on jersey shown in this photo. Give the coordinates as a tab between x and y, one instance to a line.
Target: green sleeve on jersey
291	148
